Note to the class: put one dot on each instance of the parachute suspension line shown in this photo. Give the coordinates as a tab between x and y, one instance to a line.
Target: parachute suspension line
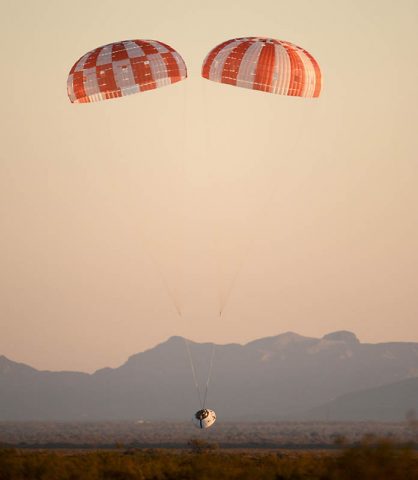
165	283
202	401
189	353
145	242
145	246
207	143
185	138
225	298
212	355
221	297
267	201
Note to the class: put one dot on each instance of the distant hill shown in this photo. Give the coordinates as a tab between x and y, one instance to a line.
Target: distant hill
393	402
267	379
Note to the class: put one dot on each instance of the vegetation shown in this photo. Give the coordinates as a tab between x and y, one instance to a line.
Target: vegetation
143	434
369	460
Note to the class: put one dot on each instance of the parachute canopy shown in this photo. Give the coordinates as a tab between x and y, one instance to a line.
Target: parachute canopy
124	68
265	64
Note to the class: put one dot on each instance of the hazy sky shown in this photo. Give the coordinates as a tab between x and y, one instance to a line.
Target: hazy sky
110	211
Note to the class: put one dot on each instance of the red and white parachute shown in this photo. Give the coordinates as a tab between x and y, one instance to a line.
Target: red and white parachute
265	64
124	68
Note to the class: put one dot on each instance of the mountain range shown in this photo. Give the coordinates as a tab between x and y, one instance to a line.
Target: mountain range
287	376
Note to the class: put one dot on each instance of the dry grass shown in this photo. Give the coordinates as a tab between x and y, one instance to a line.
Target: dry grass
371	459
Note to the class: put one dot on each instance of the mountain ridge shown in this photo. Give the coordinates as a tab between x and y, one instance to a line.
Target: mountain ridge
269	378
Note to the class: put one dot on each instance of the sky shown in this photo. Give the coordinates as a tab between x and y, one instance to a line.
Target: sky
288	214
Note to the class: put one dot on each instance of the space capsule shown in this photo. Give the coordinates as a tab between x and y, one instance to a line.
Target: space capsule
204	418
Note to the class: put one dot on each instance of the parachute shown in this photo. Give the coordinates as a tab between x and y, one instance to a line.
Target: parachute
124	68
265	64
132	66
268	65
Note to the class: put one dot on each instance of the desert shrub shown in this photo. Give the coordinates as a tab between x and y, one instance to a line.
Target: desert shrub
197	445
371	459
376	459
